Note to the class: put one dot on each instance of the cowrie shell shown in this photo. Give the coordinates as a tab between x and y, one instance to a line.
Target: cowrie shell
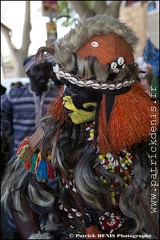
106	213
56	68
119	86
111	159
94	44
113	65
81	83
103	161
74	190
126	83
95	86
78	214
112	87
61	73
89	83
90	139
116	70
60	206
74	210
104	86
132	82
73	80
120	60
67	76
70	216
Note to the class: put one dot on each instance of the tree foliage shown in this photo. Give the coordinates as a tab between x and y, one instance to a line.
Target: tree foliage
72	10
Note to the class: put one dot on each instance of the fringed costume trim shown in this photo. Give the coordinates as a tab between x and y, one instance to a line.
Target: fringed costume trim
125	129
32	161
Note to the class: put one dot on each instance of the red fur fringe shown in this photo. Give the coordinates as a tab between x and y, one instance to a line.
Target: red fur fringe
93	230
130	120
55	108
103	128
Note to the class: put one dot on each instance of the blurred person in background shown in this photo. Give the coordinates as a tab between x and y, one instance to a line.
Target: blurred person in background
18	84
24	105
147	78
5	152
12	85
2	89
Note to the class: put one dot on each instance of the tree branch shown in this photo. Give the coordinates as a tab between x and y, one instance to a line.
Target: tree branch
5	29
113	8
99	7
81	8
8	34
26	28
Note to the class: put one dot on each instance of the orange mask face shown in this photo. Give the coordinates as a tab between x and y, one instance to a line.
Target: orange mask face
106	48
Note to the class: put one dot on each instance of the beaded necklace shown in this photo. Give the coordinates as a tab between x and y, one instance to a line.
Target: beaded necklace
120	165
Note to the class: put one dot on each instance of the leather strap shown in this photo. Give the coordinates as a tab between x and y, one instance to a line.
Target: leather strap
35	139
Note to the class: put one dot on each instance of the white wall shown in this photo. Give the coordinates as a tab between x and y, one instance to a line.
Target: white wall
7	81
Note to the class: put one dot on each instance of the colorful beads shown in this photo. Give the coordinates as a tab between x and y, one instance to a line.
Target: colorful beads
33	162
120	165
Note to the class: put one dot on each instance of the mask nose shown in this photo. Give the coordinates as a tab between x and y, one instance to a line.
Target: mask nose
62	95
65	92
66	98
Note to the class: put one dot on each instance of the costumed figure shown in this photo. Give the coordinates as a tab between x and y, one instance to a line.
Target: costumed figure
99	138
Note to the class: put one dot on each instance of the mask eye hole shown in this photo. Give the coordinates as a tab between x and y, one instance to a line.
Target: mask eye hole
111	76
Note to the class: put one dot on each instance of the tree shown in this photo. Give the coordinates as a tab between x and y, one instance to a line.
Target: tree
19	54
87	9
68	10
91	8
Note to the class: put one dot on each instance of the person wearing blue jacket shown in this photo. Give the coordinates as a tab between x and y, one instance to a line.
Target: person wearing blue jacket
23	107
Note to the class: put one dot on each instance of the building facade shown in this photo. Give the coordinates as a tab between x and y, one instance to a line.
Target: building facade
143	17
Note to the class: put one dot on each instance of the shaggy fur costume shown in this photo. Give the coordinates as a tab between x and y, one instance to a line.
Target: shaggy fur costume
107	169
